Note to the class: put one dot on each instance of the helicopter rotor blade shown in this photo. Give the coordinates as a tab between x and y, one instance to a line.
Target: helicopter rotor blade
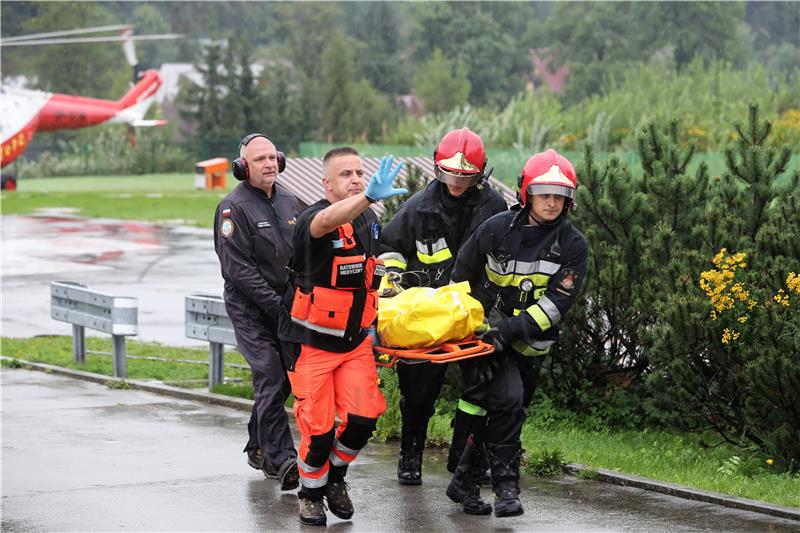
97	29
129	49
109	39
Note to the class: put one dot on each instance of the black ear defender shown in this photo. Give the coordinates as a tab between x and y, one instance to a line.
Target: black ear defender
239	166
519	190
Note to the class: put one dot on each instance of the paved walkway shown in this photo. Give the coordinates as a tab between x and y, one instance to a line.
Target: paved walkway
159	265
79	456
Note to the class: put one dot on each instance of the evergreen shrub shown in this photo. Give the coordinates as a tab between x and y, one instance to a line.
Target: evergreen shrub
690	313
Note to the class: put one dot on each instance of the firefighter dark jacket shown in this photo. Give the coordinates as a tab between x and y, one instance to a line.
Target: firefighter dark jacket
252	237
526	276
426	233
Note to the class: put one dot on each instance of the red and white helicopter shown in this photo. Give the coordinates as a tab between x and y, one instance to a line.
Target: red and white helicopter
26	112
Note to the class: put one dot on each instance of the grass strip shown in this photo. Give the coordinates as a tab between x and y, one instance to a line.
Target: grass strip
165	198
686	459
57	350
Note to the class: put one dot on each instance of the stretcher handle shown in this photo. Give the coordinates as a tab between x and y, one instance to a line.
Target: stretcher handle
444	353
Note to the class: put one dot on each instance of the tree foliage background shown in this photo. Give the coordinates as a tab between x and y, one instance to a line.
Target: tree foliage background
333	71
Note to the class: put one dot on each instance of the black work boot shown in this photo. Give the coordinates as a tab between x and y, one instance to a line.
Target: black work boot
409	466
505	479
464	487
287	474
336	493
462	424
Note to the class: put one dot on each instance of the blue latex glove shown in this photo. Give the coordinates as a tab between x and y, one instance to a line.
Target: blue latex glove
380	184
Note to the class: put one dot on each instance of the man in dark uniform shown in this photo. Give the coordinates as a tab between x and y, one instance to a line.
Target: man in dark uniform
252	234
334	301
526	267
422	240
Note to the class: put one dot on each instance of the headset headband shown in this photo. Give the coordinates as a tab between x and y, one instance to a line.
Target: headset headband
246	140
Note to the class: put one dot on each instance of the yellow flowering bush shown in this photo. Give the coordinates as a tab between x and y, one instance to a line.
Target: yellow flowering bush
786	129
728	296
724	341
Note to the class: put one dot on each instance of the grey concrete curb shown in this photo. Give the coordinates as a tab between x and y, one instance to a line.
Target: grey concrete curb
682	491
599	474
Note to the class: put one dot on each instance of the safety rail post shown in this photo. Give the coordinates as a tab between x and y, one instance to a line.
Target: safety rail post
84	308
79	344
207	320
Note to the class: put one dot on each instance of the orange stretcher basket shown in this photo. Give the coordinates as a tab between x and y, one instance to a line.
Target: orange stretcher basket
443	353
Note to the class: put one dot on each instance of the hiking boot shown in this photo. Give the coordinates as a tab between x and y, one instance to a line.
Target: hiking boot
312	512
287	474
256	460
338	500
409	465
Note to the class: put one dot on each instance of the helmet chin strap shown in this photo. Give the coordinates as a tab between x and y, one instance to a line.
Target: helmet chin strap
538	222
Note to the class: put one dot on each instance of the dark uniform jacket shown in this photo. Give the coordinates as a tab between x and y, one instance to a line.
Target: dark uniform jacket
252	237
311	263
423	237
525	276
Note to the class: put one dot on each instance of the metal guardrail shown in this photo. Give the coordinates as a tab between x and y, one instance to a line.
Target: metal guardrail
207	320
83	308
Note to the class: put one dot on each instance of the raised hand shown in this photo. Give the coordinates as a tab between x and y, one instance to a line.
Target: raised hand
380	186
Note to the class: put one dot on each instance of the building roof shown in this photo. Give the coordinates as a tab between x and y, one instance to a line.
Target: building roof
303	177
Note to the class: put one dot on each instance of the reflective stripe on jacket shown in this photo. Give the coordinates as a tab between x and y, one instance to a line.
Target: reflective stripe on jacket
526	275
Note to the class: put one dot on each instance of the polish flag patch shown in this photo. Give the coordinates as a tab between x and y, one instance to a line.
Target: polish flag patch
226	212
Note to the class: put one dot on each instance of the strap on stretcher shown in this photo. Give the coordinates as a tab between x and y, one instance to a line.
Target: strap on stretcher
443	353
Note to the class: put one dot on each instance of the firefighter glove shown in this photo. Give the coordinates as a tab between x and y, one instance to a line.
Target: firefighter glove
380	184
494	337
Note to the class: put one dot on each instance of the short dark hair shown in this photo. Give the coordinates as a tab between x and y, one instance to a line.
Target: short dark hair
336	152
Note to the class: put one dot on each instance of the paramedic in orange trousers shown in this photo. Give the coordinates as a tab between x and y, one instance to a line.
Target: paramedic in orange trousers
333	299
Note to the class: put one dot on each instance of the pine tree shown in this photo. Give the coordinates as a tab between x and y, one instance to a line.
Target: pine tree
725	341
600	349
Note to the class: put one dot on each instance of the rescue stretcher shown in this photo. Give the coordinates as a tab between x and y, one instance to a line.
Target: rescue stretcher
447	352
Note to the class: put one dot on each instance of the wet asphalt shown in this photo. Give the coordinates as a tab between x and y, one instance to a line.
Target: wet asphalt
79	456
159	265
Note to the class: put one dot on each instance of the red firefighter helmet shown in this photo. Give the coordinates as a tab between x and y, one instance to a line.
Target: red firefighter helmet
548	173
460	158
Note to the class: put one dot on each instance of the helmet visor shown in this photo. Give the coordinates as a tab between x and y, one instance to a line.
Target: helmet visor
458	179
561	190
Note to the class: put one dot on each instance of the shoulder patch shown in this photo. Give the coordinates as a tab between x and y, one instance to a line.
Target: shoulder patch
568	279
227	227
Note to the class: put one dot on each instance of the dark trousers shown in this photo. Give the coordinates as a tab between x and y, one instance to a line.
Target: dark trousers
505	397
420	384
269	426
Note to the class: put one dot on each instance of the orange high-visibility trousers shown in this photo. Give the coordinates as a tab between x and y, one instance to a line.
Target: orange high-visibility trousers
326	384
